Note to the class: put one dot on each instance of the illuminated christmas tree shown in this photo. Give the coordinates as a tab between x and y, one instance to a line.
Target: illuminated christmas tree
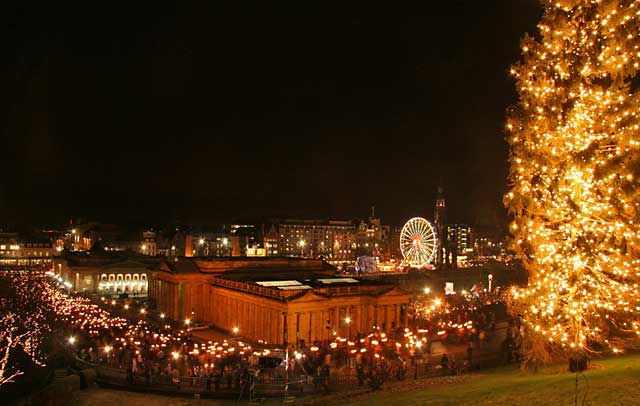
575	171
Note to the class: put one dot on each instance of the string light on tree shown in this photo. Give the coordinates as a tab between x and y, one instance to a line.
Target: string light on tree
575	159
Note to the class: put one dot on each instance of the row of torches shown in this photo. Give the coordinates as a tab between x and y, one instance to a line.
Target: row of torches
95	320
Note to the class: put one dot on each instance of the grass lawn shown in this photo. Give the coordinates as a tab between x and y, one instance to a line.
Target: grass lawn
614	381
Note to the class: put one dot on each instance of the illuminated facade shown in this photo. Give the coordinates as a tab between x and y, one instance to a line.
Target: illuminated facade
149	245
17	254
276	300
460	236
335	241
107	275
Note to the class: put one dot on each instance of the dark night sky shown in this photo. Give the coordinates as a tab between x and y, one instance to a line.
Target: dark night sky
203	113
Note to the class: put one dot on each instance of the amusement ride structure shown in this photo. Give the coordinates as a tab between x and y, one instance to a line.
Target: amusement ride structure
418	242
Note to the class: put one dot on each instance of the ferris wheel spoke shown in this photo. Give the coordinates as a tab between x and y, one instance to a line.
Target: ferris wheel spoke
418	241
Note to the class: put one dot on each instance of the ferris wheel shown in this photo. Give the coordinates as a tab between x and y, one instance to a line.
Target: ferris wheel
418	242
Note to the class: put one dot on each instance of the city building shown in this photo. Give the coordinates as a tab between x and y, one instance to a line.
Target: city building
488	241
332	240
106	273
460	235
394	242
213	245
374	239
26	253
338	242
149	246
277	300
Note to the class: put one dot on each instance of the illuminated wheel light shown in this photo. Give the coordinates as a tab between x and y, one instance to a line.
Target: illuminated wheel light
418	242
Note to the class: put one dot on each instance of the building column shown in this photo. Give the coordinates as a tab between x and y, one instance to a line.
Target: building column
405	320
275	322
297	329
255	327
320	325
376	321
396	315
285	338
385	317
364	318
353	315
309	341
335	322
236	313
226	303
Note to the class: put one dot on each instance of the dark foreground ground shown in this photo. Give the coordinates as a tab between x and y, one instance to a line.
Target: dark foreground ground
614	381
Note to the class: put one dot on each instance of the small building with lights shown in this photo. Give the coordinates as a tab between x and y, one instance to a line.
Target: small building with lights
276	300
18	253
108	273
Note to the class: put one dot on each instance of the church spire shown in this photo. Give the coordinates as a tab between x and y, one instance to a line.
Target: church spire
440	220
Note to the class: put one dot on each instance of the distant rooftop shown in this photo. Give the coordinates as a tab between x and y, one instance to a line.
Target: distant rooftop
316	222
338	280
253	268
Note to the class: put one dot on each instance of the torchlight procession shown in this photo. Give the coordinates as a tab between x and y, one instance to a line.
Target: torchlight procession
122	338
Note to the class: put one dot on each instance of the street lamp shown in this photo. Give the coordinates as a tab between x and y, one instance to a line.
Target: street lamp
162	315
490	281
427	290
71	340
187	321
235	330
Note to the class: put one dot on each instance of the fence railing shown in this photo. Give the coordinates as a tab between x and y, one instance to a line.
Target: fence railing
274	383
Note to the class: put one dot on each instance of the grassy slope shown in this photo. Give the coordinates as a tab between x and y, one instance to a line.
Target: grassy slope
613	381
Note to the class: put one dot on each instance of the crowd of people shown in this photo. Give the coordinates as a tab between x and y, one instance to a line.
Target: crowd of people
459	318
124	337
157	353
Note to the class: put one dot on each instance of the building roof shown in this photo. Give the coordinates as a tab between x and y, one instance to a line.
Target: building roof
181	266
250	269
294	286
109	258
262	264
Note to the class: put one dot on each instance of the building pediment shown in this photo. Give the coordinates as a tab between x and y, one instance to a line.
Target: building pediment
306	296
165	266
394	291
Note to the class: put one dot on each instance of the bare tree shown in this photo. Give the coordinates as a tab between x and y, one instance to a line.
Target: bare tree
12	340
25	318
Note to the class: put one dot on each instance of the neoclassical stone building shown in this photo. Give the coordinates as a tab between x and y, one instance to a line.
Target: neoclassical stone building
108	274
276	300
